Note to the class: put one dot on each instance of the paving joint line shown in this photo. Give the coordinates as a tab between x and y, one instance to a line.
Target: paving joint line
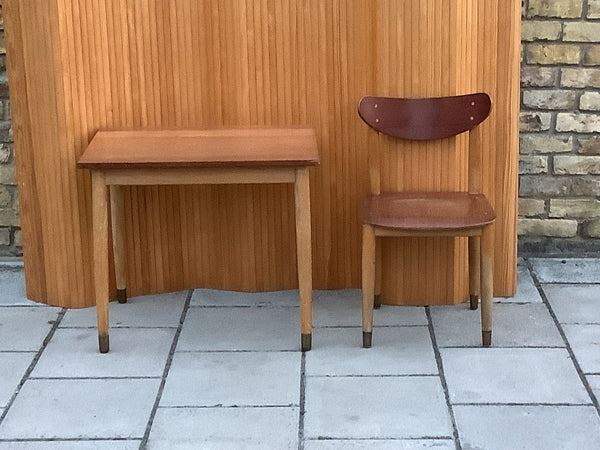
302	402
163	381
36	358
563	335
440	366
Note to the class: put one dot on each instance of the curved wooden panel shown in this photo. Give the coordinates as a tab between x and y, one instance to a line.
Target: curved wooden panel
77	66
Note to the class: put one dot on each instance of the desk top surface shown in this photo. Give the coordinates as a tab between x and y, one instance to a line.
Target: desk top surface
220	147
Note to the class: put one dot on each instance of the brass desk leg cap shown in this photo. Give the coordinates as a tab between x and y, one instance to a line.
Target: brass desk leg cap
487	338
306	342
103	343
122	295
474	301
367	339
377	301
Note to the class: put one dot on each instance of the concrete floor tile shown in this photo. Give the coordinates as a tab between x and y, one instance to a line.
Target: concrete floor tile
574	303
515	325
342	308
214	297
241	329
572	270
526	290
75	409
72	445
12	368
387	444
24	328
512	375
12	280
233	379
225	428
375	407
528	427
395	351
74	352
585	343
161	310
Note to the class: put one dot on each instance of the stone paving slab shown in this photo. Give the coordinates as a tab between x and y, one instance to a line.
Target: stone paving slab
134	352
389	444
24	328
12	280
512	375
240	329
12	368
225	428
526	290
585	343
526	325
219	298
572	270
528	427
144	311
76	409
395	351
233	379
574	303
375	407
119	444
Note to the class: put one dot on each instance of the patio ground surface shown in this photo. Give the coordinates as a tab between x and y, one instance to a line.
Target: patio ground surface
214	369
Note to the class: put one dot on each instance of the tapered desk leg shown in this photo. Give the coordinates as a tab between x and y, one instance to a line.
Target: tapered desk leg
304	254
487	284
116	210
474	270
100	227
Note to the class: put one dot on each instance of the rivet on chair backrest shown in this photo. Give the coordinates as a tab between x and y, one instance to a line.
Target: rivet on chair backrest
472	103
376	120
375	106
472	118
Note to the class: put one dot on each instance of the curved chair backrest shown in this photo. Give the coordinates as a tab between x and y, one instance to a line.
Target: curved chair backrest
425	118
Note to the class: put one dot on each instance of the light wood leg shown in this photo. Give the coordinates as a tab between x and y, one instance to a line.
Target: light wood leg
304	254
378	275
368	283
474	270
487	284
100	255
116	209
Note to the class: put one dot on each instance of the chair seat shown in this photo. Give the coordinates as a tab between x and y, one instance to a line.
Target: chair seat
427	210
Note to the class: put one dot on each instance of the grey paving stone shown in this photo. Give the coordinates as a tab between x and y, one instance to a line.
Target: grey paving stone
12	369
344	308
375	407
573	270
585	343
12	280
526	290
221	428
70	409
388	444
233	379
24	328
241	329
214	297
594	381
133	352
72	445
528	427
512	375
515	325
395	351
161	310
574	304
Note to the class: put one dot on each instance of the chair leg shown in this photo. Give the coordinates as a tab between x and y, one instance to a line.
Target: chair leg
378	275
368	283
487	284
474	270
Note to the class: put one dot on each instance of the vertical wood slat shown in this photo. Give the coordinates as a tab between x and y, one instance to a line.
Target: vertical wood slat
176	63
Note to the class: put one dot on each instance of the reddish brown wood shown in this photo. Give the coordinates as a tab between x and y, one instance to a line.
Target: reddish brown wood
425	118
428	210
227	147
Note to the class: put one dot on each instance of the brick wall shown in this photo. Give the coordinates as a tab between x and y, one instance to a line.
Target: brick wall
559	165
559	190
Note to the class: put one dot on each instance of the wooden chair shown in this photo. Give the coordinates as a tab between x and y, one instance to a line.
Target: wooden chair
424	214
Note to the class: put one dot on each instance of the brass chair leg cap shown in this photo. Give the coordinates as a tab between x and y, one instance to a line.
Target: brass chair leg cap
367	339
487	338
474	301
122	295
103	343
306	341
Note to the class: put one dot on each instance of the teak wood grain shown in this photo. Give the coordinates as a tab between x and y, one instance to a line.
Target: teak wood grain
76	67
